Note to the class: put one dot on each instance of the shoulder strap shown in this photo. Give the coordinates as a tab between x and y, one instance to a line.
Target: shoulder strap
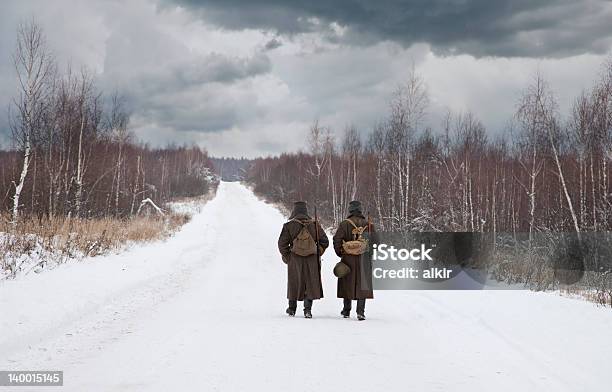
352	223
359	229
305	223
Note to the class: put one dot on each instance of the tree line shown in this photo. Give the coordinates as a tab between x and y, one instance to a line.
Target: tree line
231	169
543	174
74	153
539	196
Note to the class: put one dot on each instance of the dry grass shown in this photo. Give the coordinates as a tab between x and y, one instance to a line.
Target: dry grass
62	238
36	241
600	297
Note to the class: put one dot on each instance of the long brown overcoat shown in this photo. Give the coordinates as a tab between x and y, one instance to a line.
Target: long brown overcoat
358	283
303	272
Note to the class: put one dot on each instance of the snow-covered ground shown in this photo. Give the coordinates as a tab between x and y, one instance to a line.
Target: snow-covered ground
39	258
204	310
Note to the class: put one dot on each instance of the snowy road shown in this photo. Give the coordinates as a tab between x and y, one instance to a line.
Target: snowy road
205	312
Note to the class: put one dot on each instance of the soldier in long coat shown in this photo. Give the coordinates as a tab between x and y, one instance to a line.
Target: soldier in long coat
357	285
303	272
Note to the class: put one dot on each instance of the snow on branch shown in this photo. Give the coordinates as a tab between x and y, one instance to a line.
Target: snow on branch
152	204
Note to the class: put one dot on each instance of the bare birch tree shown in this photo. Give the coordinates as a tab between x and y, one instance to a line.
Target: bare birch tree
34	66
117	124
537	113
316	144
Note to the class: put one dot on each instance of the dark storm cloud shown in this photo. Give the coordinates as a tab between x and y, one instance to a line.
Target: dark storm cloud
222	69
532	28
248	77
214	68
273	44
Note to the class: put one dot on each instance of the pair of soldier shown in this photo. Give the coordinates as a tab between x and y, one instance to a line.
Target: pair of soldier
304	272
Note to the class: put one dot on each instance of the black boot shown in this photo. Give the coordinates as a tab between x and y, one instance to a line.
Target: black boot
292	307
308	308
361	309
346	310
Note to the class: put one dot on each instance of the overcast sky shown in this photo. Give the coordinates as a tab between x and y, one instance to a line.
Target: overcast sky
247	77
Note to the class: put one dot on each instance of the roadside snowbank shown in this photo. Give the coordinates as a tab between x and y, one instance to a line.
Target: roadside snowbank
24	254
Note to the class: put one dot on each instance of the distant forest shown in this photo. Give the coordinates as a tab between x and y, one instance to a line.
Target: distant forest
538	198
231	169
548	172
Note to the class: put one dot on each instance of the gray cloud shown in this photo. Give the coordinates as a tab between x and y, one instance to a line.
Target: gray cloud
273	44
507	28
216	68
199	73
200	94
195	73
169	84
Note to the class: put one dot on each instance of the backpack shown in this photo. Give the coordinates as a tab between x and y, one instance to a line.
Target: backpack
303	243
359	244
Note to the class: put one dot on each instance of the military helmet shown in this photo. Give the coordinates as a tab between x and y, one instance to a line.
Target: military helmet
341	270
